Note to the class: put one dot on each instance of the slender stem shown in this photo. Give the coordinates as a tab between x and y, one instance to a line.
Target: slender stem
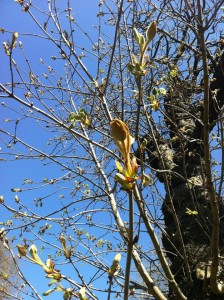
114	44
109	290
11	71
222	170
130	245
162	259
139	84
217	288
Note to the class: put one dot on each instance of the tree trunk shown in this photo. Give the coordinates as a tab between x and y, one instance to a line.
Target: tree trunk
183	155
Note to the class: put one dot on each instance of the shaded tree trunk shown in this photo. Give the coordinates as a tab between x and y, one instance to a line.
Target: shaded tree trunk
183	155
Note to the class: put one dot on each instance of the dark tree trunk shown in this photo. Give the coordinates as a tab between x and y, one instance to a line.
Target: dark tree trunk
183	155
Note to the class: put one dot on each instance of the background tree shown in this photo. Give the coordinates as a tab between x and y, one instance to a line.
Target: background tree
9	280
146	87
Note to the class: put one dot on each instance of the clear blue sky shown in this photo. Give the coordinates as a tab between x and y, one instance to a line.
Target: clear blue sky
13	173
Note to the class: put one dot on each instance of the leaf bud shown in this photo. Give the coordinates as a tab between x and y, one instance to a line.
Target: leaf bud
119	130
55	276
82	293
48	292
21	250
35	257
136	35
115	265
14	38
62	240
50	264
151	31
1	199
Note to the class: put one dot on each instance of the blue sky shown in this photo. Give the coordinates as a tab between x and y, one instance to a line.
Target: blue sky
13	19
14	172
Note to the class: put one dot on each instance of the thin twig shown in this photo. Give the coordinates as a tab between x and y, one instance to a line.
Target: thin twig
130	245
217	288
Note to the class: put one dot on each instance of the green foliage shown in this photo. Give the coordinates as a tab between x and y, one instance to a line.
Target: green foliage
191	212
81	117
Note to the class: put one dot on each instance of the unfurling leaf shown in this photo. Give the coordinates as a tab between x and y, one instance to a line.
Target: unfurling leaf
122	138
21	250
82	294
81	117
140	39
155	105
151	31
119	130
67	294
146	180
191	212
119	166
50	265
126	184
48	292
138	67
48	268
54	275
34	255
115	265
62	239
136	35
67	252
141	42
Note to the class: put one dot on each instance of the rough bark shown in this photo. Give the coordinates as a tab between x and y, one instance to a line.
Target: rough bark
183	156
9	279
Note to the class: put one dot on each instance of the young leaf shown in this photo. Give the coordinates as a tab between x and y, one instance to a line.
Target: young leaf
151	31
